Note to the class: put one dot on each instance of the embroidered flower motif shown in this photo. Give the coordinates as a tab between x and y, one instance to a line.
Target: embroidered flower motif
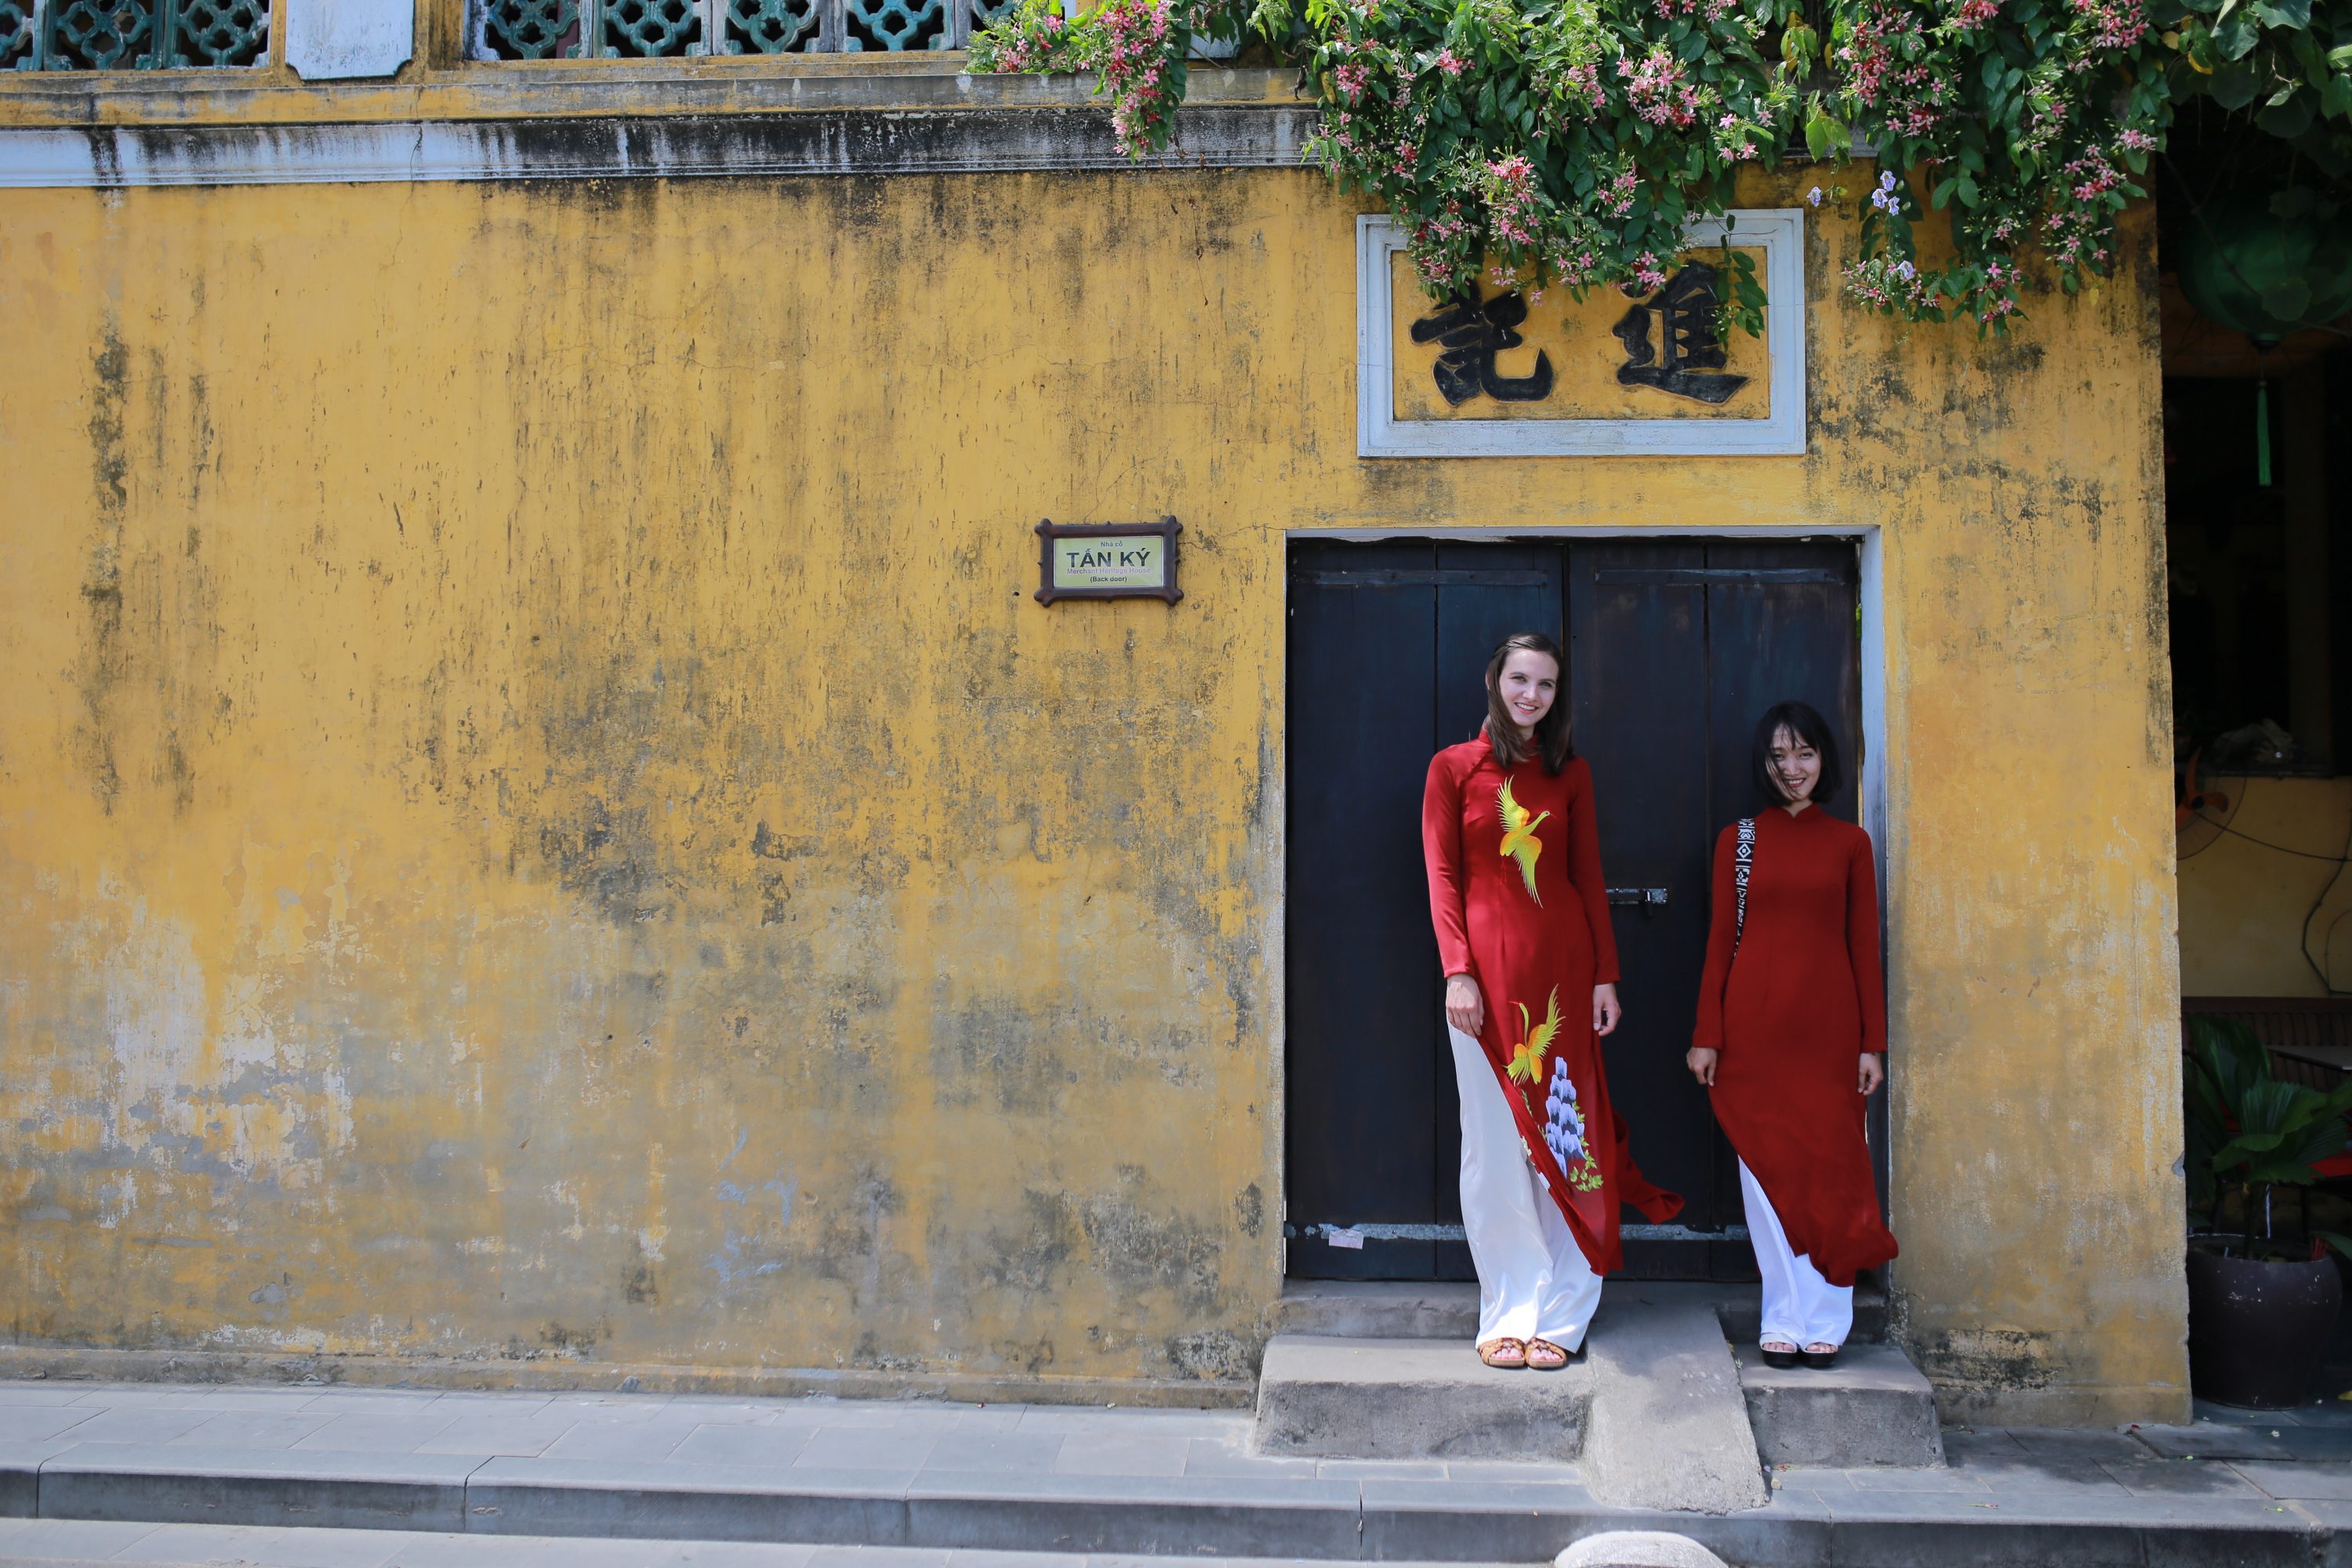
1564	1132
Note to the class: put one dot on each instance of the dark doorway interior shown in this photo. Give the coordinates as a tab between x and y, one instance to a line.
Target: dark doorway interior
1673	648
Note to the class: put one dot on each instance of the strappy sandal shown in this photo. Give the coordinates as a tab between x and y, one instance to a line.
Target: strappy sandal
1505	1353
1545	1356
1821	1355
1783	1357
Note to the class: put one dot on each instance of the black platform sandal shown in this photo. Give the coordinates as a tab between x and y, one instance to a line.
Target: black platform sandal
1821	1361
1782	1360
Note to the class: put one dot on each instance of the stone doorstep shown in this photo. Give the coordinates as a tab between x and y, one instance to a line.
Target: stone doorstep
1303	1518
1393	1309
1670	1427
1407	1398
1874	1408
1413	1399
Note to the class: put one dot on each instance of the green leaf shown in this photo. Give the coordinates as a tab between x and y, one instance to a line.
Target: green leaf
2233	86
2291	118
2235	36
2294	13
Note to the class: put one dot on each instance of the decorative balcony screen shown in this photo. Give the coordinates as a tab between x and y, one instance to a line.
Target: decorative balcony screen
133	35
647	29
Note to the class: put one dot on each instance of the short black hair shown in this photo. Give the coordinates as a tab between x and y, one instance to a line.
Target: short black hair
1802	721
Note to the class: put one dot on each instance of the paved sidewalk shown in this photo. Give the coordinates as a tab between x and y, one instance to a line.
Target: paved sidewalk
932	1477
73	1543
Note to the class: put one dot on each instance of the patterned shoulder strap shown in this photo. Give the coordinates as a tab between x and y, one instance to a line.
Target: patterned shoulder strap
1743	862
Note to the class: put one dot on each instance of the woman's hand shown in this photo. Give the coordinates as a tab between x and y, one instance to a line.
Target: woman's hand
1605	1011
1874	1073
1463	1009
1701	1061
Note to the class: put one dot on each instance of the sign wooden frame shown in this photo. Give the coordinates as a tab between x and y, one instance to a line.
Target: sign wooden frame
1778	232
1165	531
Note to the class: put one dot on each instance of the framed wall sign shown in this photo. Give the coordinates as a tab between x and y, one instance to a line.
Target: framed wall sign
1529	372
1107	561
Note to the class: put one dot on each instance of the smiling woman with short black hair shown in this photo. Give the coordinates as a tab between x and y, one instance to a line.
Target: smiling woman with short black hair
1791	1034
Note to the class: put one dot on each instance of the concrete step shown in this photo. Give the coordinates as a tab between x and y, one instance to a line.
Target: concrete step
1440	1309
1331	1397
1376	1310
1874	1408
1670	1429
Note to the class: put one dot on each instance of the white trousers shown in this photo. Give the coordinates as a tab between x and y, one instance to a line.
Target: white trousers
1533	1280
1799	1305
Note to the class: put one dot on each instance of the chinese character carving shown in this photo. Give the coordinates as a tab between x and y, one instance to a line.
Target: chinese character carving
1686	307
1470	333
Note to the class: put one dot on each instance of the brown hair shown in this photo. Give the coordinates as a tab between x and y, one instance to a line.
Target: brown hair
1551	734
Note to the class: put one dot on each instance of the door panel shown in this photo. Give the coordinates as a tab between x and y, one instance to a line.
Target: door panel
1363	990
1783	623
1639	615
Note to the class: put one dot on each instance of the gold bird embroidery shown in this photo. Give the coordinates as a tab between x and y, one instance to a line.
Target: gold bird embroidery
1528	1056
1519	840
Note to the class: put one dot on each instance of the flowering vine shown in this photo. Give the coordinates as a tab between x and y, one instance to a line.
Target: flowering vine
1524	143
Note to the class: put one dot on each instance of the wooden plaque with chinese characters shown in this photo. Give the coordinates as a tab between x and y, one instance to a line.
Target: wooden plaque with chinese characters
1507	368
1583	343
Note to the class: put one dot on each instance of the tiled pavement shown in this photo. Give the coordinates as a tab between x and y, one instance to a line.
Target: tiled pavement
917	1478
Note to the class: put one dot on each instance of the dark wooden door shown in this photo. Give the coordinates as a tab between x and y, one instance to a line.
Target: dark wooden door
1676	650
1374	1124
1673	649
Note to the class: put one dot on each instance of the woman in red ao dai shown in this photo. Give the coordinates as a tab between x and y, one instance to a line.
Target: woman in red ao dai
1521	915
1792	1038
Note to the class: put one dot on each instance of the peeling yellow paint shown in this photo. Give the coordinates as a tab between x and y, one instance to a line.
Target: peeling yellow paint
538	820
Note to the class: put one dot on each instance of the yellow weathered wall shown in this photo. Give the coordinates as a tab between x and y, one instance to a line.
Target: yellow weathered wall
537	815
2244	908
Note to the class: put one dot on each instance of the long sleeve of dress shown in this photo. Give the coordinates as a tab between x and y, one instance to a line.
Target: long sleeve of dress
1584	870
1721	926
1861	945
1440	853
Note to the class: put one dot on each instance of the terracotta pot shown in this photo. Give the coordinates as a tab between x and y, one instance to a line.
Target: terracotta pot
2257	1329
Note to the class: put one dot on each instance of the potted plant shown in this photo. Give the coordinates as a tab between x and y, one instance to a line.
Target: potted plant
2260	1309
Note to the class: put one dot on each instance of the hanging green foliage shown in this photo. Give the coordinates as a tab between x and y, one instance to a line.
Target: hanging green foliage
1569	141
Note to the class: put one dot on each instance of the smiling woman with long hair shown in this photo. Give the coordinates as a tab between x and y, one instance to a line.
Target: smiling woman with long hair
1522	921
1791	1035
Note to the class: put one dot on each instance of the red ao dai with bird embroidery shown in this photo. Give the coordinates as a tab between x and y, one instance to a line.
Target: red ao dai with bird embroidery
1516	900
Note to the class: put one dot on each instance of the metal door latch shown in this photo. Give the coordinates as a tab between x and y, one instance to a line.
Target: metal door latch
1645	897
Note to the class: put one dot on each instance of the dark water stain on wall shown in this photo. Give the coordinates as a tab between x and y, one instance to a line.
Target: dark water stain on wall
1002	1048
103	659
